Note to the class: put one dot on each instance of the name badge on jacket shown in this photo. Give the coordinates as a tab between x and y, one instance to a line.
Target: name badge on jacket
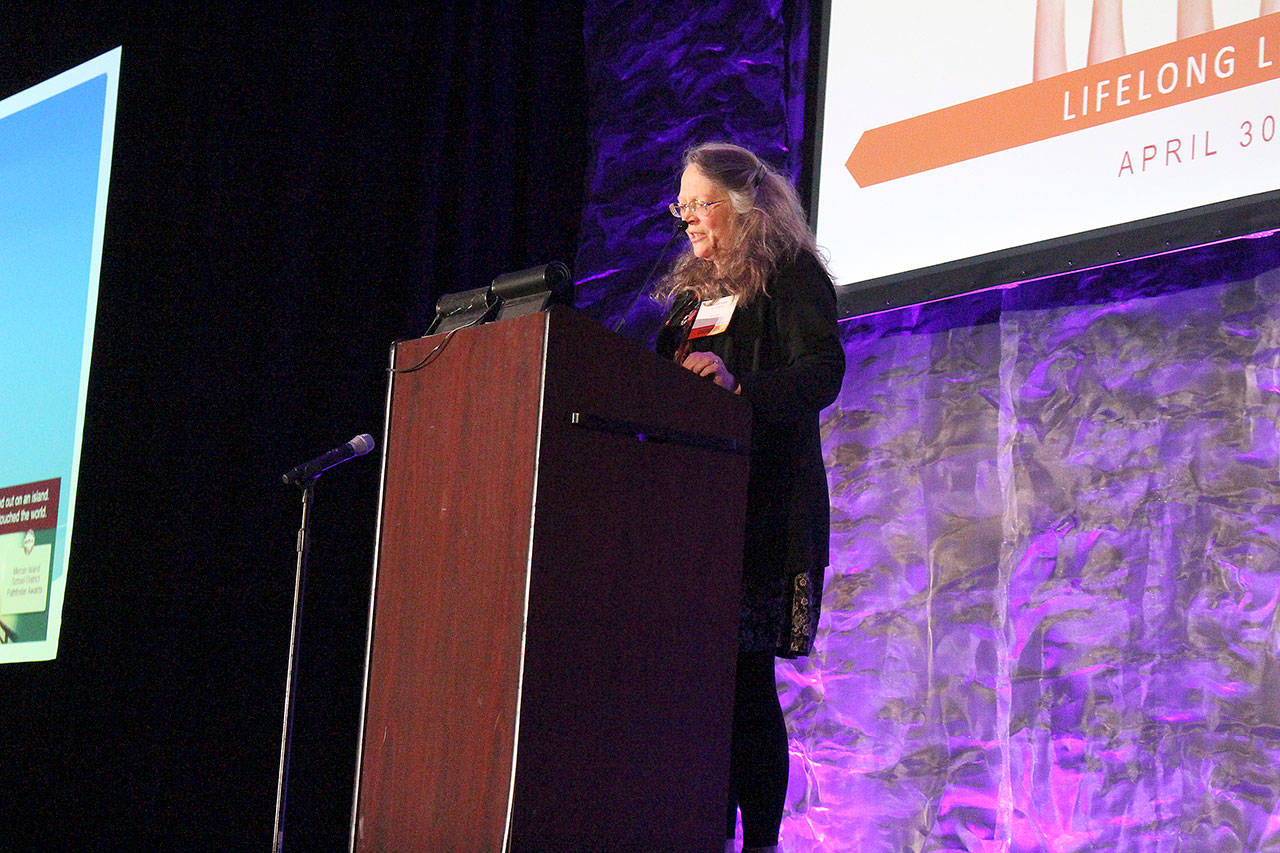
713	317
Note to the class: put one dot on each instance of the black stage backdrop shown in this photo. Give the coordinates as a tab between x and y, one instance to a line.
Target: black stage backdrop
290	191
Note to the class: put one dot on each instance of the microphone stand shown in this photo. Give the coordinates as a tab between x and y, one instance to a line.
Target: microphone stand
286	736
305	475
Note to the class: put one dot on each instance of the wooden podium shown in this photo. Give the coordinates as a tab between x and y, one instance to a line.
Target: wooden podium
553	631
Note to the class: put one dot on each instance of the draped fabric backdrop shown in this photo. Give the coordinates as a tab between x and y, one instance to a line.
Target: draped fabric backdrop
1051	617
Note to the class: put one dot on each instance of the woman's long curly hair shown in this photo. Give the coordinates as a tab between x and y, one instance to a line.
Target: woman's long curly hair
770	229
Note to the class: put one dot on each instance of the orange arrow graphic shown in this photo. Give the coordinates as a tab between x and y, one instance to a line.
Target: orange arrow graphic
1219	61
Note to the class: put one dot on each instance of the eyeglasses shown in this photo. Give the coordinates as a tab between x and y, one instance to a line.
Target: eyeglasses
679	210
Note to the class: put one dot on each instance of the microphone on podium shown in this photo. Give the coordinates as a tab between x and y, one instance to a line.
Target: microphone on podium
681	227
358	446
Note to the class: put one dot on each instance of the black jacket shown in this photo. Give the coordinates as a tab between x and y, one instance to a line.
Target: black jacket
784	349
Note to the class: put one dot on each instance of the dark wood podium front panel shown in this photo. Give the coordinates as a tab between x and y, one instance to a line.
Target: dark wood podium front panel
449	603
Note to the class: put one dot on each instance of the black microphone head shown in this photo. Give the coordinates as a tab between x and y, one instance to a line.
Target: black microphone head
682	225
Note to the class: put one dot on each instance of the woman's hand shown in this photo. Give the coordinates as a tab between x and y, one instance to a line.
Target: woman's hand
710	365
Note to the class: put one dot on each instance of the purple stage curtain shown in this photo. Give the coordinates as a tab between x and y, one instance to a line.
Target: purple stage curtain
660	79
1051	619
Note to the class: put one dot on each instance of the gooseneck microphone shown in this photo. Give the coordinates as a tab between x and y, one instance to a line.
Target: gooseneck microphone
358	446
681	227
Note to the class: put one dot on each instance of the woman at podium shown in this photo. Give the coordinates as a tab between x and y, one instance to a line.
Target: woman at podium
752	309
